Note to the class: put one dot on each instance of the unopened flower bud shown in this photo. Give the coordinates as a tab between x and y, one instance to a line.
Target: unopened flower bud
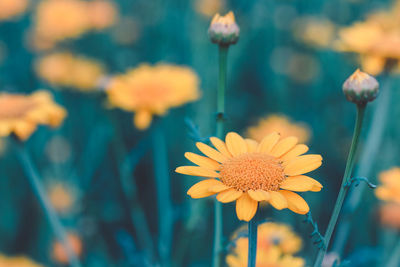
360	87
224	30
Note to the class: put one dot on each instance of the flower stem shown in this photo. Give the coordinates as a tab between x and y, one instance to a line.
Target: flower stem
253	225
165	216
343	189
54	221
223	53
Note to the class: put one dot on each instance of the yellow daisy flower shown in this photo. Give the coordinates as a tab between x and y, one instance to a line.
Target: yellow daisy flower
20	114
389	190
281	124
19	261
12	8
266	257
58	251
274	234
249	172
152	90
66	69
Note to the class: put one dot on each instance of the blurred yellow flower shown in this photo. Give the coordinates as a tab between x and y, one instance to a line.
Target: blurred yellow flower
377	40
209	7
20	114
61	197
390	215
12	8
57	20
66	69
270	252
389	190
18	261
274	234
249	172
152	90
102	14
281	124
59	253
314	31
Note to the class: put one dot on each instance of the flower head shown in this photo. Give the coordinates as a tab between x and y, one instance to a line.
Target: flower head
281	124
274	234
66	69
360	87
59	253
152	90
12	8
249	172
19	261
276	244
223	29
20	114
389	190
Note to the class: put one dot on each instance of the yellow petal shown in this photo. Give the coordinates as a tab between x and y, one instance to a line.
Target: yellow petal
24	129
246	207
220	146
235	144
300	183
296	151
211	152
201	189
142	119
204	162
303	164
259	195
219	188
268	142
284	146
277	200
252	145
295	202
197	171
229	195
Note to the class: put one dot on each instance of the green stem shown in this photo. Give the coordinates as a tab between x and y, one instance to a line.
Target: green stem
253	225
343	189
223	53
165	216
38	188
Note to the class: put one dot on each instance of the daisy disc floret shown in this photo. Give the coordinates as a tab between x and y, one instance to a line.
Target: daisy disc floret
248	172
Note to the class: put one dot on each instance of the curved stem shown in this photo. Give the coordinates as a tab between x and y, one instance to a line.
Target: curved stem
252	256
223	53
38	188
343	188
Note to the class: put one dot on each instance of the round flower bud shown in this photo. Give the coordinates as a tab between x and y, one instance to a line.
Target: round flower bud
360	87
224	30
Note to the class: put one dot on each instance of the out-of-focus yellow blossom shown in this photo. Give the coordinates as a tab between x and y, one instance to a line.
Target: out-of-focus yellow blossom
62	197
276	244
57	20
274	234
59	253
209	7
21	114
376	39
389	190
66	69
314	31
102	14
390	215
18	261
11	8
152	90
60	19
281	124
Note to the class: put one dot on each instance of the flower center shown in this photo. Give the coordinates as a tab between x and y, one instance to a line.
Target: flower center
252	171
14	106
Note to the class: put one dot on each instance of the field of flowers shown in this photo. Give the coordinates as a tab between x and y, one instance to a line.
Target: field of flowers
198	133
